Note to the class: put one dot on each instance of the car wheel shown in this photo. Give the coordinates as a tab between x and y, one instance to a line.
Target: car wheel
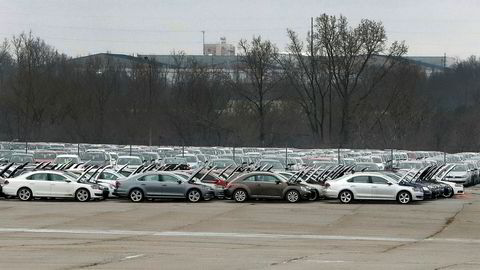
292	196
194	195
82	195
345	196
448	194
240	195
315	196
404	197
24	194
136	195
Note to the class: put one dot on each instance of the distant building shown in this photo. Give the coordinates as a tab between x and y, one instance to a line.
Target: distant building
222	48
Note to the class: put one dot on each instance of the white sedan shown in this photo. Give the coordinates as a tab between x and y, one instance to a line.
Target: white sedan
51	184
371	186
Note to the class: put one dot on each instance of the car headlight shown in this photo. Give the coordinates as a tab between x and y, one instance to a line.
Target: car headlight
425	189
305	189
97	187
417	189
458	185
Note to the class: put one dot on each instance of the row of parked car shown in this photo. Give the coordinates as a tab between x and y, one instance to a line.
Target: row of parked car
86	182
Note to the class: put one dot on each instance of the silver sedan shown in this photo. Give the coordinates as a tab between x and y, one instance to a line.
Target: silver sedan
162	185
372	186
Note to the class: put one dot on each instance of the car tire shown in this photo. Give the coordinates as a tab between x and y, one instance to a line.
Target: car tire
345	196
24	194
292	196
82	195
240	195
136	195
316	197
194	195
404	197
448	194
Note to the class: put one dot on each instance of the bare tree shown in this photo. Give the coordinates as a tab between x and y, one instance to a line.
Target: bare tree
305	69
258	62
349	52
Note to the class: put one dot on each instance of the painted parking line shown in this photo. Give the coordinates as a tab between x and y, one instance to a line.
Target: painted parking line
237	235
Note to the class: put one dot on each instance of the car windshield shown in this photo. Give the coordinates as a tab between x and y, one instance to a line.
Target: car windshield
129	161
410	165
274	163
222	163
44	155
21	159
175	161
190	159
94	156
61	160
393	176
460	168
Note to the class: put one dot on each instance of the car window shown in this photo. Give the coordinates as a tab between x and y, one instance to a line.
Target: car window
378	180
56	177
38	176
250	179
149	178
266	178
360	179
168	179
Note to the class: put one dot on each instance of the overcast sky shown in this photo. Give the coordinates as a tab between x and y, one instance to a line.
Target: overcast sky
81	27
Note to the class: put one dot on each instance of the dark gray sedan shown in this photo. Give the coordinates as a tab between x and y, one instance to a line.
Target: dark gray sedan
162	185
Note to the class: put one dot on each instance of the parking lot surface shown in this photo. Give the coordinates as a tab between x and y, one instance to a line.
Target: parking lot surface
113	234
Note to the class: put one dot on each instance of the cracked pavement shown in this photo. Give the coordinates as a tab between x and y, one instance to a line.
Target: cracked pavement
441	234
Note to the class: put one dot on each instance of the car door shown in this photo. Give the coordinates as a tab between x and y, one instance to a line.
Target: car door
60	186
151	184
270	185
172	186
39	183
253	185
361	187
382	188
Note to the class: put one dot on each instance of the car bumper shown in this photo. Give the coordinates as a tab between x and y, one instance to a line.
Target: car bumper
330	193
227	193
103	194
219	193
209	195
457	180
418	196
120	193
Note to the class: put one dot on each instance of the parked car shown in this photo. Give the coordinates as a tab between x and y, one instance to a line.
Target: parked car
460	174
51	184
267	185
21	158
161	184
371	186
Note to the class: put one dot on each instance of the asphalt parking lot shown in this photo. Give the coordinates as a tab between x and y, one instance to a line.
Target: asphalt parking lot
46	234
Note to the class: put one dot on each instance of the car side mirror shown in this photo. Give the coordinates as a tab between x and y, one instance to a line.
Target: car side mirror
278	182
389	184
68	181
179	182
